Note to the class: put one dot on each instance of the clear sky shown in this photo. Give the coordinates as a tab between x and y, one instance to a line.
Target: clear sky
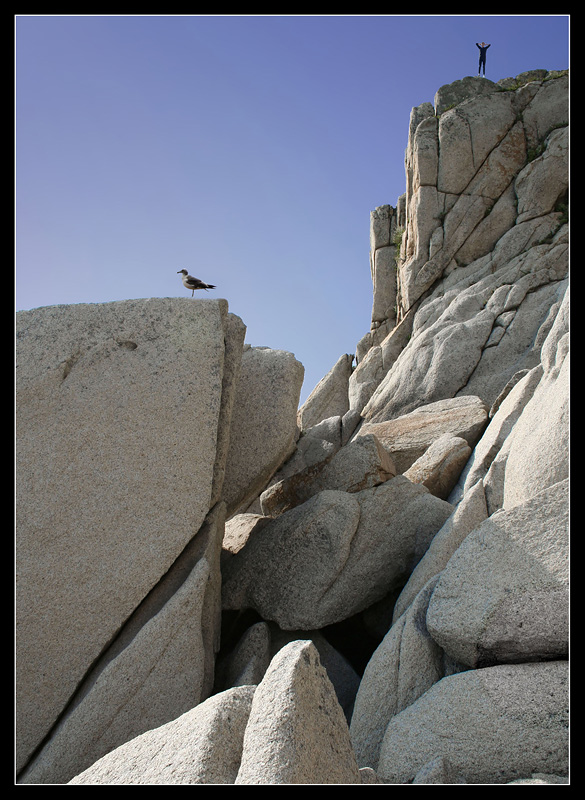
248	150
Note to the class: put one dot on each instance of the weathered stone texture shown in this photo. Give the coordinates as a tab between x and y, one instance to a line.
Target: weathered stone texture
216	587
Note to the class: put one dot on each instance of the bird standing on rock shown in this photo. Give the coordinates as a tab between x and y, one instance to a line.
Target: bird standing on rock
193	283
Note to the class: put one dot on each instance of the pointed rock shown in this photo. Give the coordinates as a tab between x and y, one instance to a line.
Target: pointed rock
297	732
330	397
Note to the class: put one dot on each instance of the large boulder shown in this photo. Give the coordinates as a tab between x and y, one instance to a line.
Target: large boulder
408	436
503	596
296	732
504	415
285	566
120	455
441	465
263	430
334	555
492	725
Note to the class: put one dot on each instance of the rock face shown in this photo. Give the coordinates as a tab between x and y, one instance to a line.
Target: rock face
105	453
476	719
201	746
124	418
216	587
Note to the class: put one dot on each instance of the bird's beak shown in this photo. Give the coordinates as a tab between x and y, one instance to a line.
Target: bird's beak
179	270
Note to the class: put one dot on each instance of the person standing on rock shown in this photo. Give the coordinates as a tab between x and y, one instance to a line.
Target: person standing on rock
482	56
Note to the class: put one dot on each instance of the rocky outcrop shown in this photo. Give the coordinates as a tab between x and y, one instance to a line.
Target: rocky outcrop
330	397
371	589
124	447
484	247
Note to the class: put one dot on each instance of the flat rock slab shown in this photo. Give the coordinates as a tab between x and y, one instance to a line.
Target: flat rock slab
202	746
118	411
407	437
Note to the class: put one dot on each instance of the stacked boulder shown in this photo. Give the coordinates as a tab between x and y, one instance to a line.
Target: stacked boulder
373	589
128	465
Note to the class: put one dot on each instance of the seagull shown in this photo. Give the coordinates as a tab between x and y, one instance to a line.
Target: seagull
193	283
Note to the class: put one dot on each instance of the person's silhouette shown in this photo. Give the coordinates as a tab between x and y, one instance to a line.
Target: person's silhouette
482	55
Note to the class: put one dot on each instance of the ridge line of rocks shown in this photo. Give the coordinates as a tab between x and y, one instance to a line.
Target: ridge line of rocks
373	587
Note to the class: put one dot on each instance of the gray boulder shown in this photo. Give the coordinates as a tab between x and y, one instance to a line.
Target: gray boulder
383	225
441	465
120	456
334	555
548	108
408	436
263	430
296	732
280	571
202	746
493	725
503	596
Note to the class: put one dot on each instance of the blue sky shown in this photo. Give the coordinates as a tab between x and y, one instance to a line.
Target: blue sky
248	150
